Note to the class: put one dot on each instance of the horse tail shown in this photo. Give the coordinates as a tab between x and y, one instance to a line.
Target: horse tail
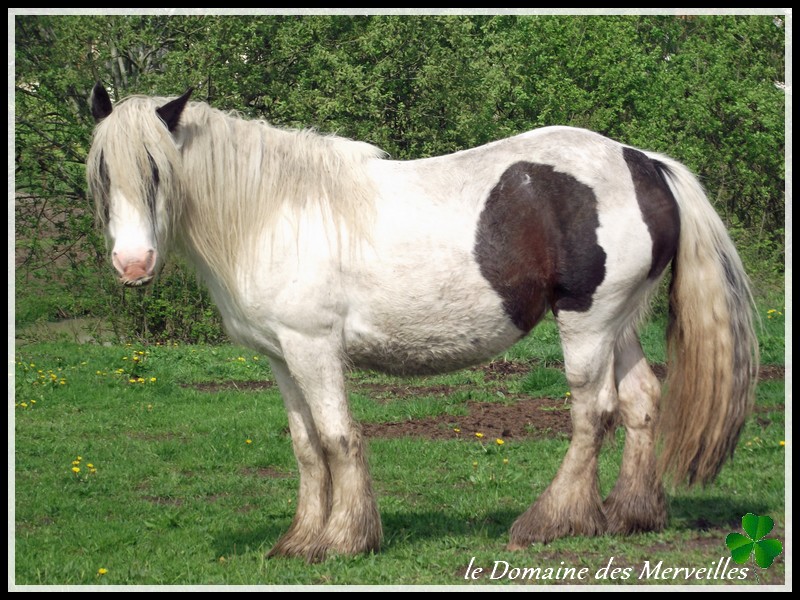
711	343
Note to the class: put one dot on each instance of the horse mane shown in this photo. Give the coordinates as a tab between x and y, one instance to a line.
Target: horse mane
227	179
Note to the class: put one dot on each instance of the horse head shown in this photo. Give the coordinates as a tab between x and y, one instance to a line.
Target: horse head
131	170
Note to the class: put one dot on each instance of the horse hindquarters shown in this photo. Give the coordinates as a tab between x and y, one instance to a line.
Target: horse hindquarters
600	291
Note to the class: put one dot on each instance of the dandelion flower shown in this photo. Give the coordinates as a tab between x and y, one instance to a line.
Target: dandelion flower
76	462
152	380
78	458
90	465
24	404
505	461
499	442
248	441
456	429
782	443
131	381
102	571
474	464
479	435
76	470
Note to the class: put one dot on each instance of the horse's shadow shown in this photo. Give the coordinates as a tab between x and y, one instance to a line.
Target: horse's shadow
717	512
406	526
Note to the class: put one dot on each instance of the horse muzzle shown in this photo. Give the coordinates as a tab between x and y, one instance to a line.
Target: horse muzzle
135	268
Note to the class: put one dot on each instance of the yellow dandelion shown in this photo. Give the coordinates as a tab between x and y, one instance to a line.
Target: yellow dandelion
90	465
248	441
479	435
33	401
120	371
505	461
255	358
568	394
33	364
62	382
53	376
474	464
92	471
771	310
23	404
152	380
140	380
102	571
76	470
76	462
149	407
135	359
782	443
124	358
131	381
141	352
456	429
79	458
499	442
241	359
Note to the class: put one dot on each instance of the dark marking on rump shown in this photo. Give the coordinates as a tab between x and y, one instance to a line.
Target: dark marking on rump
536	243
658	206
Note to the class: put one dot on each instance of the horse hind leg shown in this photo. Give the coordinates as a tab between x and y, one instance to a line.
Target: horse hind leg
314	495
637	502
571	505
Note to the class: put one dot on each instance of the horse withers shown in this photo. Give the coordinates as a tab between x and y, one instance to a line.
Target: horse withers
323	254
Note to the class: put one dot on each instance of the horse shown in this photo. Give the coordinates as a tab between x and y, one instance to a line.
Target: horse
325	255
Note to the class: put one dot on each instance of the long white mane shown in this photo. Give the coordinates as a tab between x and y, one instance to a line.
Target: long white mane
223	180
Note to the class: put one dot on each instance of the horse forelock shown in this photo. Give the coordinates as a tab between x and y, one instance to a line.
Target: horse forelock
132	152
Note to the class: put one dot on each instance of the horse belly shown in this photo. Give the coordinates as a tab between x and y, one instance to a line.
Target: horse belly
450	320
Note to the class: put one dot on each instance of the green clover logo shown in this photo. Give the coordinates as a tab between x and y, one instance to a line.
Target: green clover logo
742	546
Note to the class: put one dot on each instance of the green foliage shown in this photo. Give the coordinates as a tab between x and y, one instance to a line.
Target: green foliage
704	89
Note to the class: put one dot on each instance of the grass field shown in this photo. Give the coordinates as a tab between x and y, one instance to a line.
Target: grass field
128	470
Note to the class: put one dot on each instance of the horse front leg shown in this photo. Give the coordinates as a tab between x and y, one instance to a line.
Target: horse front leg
571	504
353	525
314	494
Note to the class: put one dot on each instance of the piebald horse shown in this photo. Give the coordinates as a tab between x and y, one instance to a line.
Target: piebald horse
324	255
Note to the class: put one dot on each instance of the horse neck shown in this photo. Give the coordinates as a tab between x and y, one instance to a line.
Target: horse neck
241	178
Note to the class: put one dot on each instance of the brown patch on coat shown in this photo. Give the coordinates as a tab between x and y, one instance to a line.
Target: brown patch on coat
537	245
658	206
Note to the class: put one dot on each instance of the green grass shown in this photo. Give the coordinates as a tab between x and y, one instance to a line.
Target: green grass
178	496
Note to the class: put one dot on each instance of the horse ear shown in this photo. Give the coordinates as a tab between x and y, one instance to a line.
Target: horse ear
170	113
100	102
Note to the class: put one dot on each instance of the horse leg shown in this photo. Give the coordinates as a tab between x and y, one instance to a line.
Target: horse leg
353	525
571	504
637	502
313	498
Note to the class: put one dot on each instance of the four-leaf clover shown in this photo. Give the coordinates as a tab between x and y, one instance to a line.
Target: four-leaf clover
742	546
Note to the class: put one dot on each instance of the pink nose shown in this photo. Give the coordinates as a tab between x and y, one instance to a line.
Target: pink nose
135	268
